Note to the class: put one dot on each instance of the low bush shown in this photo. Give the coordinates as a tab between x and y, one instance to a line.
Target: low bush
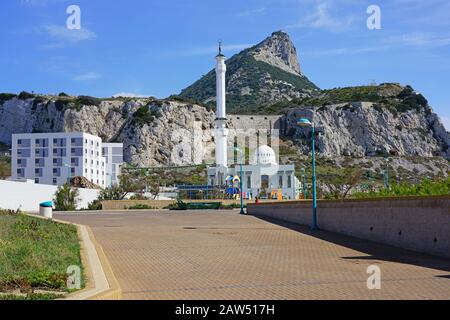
141	207
425	188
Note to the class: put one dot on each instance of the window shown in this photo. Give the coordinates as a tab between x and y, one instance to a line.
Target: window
36	180
72	170
249	182
280	181
38	172
289	182
19	141
55	181
20	173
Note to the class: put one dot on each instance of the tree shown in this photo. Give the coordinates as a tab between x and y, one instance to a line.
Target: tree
5	169
346	184
66	198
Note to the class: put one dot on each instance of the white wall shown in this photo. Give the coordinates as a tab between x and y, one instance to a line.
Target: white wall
28	196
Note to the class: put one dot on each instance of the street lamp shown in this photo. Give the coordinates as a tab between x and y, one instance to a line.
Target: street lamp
240	178
303	122
386	174
68	173
305	189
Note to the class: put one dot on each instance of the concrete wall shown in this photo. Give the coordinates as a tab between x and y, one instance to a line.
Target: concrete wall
157	204
420	224
28	196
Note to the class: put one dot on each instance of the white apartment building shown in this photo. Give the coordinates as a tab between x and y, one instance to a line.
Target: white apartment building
113	153
50	158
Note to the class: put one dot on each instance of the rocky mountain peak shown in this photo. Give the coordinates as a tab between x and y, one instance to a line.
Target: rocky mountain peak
278	51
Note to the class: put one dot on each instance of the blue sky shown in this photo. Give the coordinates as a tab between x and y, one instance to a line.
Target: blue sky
149	47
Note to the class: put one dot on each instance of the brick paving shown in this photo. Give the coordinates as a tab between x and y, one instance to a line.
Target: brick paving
224	255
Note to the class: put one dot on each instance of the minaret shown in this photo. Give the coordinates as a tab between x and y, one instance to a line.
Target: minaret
221	131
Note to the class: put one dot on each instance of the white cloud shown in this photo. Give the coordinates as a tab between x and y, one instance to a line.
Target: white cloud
208	50
130	95
89	76
62	33
252	12
419	39
322	18
39	2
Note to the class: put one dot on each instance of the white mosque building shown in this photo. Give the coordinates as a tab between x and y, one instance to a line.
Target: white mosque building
263	177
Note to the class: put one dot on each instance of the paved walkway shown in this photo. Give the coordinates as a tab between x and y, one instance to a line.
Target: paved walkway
224	255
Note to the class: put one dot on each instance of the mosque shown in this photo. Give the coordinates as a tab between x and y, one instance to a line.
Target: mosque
263	177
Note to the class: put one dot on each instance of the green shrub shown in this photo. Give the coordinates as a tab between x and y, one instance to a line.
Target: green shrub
141	207
425	188
145	115
66	198
26	95
87	101
95	205
6	97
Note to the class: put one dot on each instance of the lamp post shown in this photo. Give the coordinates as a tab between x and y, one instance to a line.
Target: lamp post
386	173
240	178
68	174
303	122
305	189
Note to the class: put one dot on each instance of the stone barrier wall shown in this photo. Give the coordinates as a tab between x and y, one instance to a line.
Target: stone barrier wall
157	204
420	224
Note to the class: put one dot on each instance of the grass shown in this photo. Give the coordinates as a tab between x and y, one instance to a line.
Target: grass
32	296
35	253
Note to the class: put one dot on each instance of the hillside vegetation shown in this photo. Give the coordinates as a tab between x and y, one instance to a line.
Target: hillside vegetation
394	97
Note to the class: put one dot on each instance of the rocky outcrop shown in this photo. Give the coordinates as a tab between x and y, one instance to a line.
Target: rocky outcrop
360	129
162	132
256	77
278	51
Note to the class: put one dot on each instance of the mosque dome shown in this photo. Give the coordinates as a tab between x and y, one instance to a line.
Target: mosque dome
264	155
